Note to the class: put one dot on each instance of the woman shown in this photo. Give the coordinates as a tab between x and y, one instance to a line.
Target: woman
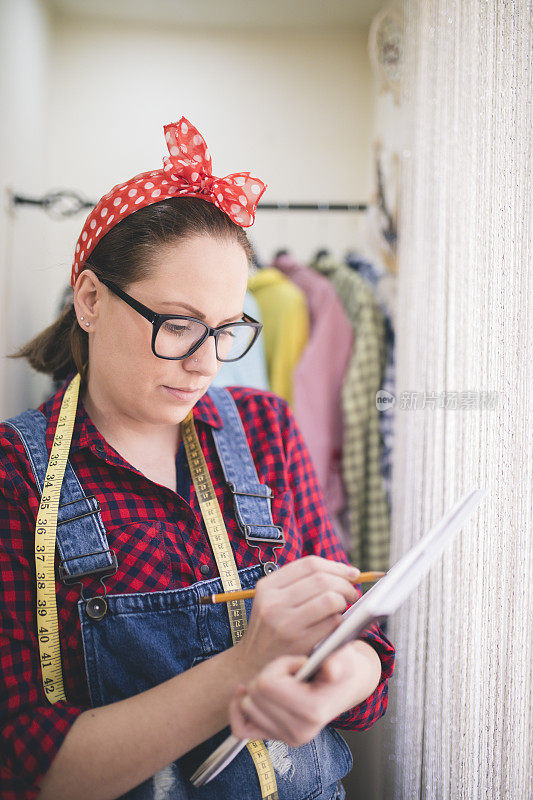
151	680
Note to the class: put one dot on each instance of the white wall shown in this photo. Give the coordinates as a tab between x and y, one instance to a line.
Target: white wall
26	303
296	110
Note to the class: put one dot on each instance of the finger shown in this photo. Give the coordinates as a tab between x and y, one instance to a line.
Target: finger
318	585
241	727
280	667
260	721
279	673
316	633
292	708
332	673
277	682
260	725
310	565
301	706
286	706
328	606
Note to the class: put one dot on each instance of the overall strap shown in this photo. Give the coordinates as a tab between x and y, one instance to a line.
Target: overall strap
81	536
250	497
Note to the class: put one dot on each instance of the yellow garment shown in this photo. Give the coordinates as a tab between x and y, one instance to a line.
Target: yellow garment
285	319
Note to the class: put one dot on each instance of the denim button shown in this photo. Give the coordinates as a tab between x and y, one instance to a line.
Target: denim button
204	569
96	608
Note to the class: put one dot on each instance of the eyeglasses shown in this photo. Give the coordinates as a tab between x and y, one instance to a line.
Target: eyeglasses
175	337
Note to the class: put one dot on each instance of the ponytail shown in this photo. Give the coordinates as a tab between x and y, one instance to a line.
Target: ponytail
60	349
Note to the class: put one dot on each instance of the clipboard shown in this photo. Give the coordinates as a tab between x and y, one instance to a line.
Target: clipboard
380	601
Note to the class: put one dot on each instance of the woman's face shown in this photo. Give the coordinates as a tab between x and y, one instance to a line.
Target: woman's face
202	277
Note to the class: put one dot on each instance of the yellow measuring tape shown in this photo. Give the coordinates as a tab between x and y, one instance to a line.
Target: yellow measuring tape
45	545
218	536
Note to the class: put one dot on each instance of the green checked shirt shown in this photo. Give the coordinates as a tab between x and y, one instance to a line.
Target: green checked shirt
367	504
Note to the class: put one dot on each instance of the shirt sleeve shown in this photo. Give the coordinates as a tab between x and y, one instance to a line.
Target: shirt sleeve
31	729
319	538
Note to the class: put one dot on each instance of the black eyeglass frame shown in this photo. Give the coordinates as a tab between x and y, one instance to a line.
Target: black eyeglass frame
158	319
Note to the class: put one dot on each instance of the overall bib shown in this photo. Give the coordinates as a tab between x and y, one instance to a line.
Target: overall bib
146	638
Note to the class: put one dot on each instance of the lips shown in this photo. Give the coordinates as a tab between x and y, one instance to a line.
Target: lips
183	389
183	394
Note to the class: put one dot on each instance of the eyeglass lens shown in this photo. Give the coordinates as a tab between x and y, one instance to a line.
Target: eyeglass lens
176	337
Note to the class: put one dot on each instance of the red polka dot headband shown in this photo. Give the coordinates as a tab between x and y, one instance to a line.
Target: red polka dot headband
186	173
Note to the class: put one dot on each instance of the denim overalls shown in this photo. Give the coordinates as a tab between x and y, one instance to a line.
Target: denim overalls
146	638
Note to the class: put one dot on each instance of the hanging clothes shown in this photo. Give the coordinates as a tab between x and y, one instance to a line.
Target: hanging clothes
377	280
368	508
317	383
251	369
285	326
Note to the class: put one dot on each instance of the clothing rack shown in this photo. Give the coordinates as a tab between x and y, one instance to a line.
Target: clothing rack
313	206
66	203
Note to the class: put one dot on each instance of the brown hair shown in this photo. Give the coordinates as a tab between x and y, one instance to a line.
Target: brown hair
124	255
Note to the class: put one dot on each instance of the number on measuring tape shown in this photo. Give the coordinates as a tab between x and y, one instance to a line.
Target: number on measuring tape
45	542
229	575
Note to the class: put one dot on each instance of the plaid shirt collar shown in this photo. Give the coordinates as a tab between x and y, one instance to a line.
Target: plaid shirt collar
85	434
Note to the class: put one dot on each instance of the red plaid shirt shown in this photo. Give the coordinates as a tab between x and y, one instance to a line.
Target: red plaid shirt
173	555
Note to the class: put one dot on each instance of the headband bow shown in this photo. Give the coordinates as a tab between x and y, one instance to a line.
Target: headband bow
186	172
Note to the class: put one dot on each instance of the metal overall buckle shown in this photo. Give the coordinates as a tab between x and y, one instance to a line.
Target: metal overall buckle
271	565
95	607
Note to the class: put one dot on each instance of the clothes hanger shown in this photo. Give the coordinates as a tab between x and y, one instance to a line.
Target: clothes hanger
389	231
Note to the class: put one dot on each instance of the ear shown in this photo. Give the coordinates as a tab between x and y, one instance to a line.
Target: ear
88	295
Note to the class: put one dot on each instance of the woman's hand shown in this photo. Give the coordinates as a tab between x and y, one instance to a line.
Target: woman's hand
274	705
295	607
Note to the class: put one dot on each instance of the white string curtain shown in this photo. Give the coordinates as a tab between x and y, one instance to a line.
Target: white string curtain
459	719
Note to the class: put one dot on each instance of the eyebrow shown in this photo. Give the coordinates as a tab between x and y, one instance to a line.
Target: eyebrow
196	312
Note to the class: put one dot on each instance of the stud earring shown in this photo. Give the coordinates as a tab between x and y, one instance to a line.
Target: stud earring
87	323
82	317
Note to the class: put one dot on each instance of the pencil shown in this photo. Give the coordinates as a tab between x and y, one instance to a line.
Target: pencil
225	597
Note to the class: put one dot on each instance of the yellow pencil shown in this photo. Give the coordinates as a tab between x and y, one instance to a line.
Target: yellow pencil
225	597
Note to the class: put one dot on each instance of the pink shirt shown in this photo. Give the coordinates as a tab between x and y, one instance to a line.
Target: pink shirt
317	381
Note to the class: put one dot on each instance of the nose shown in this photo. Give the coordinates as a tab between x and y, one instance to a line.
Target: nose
204	359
